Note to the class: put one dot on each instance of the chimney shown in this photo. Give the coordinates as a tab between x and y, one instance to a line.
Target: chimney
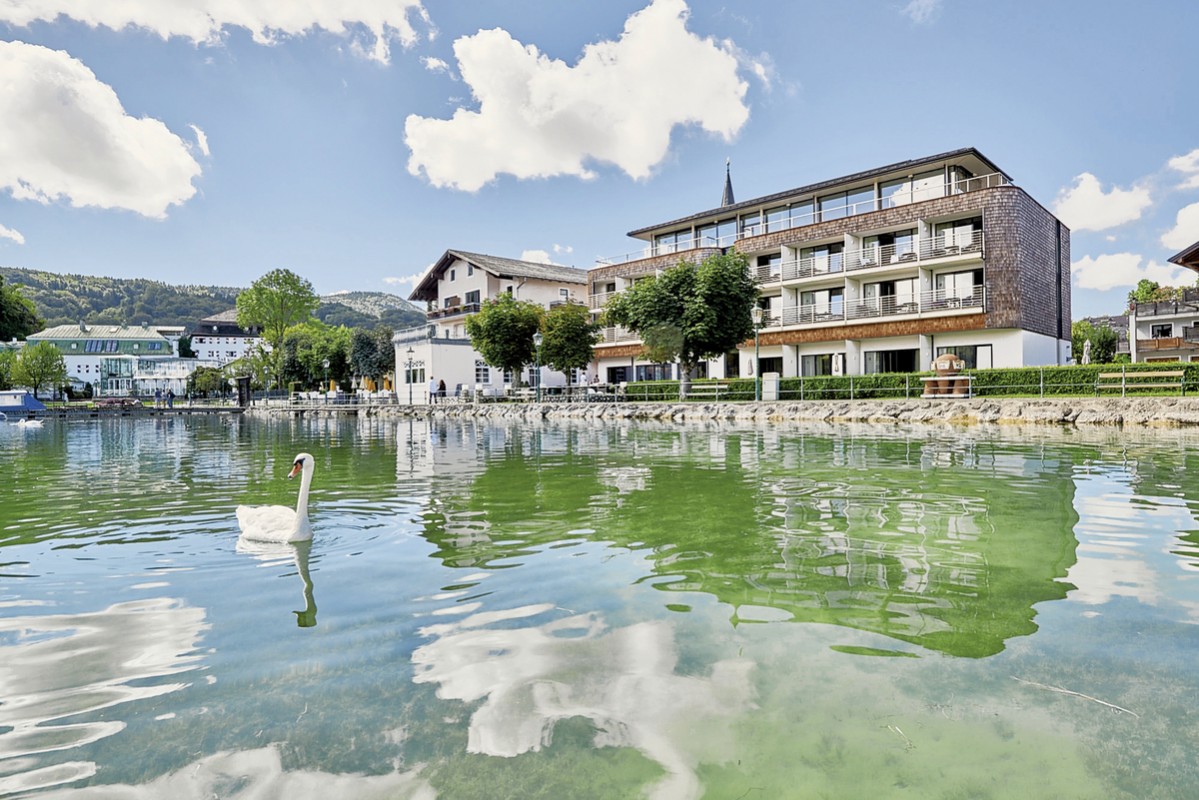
82	327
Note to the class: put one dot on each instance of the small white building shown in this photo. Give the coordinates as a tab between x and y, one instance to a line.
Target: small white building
453	289
1167	330
95	353
219	340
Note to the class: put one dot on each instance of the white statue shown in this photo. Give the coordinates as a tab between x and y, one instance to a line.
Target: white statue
1086	352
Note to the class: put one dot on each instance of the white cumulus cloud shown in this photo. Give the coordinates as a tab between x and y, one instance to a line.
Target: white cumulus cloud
1085	206
536	256
921	11
435	64
1188	165
65	135
1125	269
538	117
563	249
1186	228
9	233
371	24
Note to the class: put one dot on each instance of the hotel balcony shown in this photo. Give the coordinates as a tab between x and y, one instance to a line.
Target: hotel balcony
920	251
600	299
933	303
454	311
1188	341
1187	304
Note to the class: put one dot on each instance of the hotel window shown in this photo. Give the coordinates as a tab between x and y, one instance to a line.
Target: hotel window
482	372
803	213
962	285
718	234
472	298
888	248
975	356
957	236
672	242
1164	330
832	206
928	185
470	270
822	258
751	224
564	293
892	361
895	193
770	266
778	219
822	305
816	365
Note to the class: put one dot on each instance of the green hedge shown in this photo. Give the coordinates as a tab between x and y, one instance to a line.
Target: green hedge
1065	381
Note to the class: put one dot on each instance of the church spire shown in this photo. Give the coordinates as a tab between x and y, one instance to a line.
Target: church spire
727	199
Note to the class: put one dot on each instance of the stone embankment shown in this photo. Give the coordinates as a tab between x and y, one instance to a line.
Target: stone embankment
1074	411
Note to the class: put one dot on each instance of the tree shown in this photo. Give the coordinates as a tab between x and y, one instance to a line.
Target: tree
689	313
274	303
372	354
570	337
1143	293
18	317
185	347
502	331
40	365
1103	341
8	364
207	381
1080	332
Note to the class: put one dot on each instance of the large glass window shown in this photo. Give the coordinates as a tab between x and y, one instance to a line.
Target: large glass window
672	242
821	364
832	206
892	361
822	304
895	193
803	213
778	219
770	266
472	298
859	201
958	236
654	372
1162	330
959	284
975	356
751	224
928	185
822	258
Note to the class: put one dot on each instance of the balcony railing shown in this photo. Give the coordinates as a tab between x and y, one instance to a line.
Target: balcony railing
1168	343
453	311
1188	303
600	299
800	220
918	251
934	302
616	334
419	333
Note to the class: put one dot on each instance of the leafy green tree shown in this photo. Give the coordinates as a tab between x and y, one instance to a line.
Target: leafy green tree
502	331
689	313
207	381
274	303
1103	339
1144	291
570	338
18	317
40	365
8	364
306	349
185	347
370	355
1080	332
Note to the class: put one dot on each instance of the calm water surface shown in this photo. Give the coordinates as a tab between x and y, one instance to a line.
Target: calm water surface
575	611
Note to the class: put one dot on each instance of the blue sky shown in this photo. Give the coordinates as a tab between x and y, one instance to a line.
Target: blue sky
354	141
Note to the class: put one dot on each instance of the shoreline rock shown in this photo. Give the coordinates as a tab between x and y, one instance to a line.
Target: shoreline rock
1156	412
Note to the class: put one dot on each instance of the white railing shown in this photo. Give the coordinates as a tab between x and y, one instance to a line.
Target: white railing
616	334
932	248
937	301
811	218
600	299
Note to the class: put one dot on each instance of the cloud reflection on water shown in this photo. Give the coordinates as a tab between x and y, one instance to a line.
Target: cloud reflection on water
59	666
623	680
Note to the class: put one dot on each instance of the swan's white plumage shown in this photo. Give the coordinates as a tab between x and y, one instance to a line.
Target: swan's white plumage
279	523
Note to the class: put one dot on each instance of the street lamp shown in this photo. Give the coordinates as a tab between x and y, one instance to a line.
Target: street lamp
757	314
325	364
537	340
409	365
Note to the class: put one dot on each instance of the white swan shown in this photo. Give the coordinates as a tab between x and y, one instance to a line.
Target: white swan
279	523
29	423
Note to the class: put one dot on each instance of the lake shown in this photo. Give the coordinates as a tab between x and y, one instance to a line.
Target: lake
574	610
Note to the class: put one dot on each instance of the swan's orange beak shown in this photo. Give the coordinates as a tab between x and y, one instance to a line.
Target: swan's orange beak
295	469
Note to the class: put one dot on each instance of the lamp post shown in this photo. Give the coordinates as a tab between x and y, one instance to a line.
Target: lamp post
408	365
325	364
537	340
757	314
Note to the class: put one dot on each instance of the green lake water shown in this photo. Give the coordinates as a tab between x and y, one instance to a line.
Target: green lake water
599	611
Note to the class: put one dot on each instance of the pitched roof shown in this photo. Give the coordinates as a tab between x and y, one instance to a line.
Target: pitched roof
497	266
85	331
1187	258
815	187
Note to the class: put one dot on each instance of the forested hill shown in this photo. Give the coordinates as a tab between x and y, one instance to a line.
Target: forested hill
68	299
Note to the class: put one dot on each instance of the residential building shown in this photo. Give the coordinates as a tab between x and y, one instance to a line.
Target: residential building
106	355
878	271
219	340
1119	324
1167	330
455	287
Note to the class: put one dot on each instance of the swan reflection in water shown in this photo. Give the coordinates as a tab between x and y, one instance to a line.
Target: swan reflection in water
275	552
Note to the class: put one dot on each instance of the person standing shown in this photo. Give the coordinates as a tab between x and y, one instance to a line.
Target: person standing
158	398
441	388
432	390
170	398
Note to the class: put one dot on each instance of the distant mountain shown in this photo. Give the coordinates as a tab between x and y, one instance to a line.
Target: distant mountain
369	309
67	299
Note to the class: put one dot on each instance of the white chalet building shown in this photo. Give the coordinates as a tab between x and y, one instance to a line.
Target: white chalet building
456	287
